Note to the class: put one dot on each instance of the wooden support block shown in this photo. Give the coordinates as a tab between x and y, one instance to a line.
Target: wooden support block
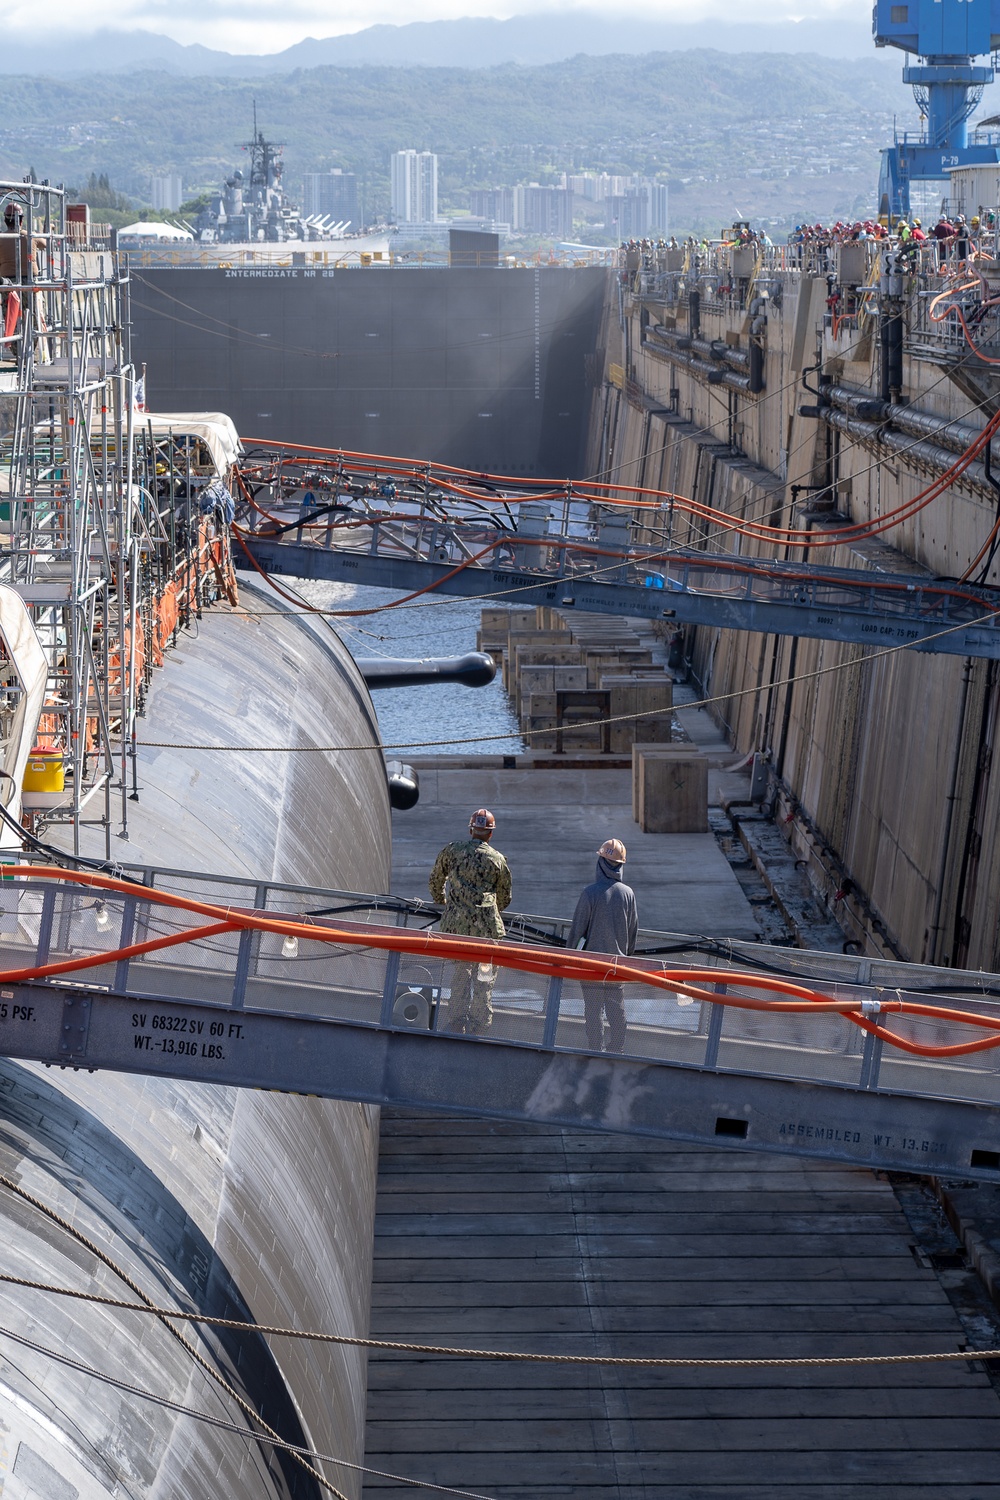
528	659
543	735
521	619
541	705
495	621
547	618
567	679
529	682
673	793
608	659
548	656
518	638
649	704
640	748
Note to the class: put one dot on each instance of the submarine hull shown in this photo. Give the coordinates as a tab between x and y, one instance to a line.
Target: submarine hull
205	1198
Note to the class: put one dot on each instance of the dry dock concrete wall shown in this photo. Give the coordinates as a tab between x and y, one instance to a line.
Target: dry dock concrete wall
883	765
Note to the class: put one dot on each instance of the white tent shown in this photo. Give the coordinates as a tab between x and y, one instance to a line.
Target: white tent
215	429
145	229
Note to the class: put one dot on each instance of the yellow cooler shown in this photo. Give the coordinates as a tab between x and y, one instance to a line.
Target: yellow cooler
44	772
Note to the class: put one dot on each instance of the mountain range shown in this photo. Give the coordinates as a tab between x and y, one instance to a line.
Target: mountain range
466	43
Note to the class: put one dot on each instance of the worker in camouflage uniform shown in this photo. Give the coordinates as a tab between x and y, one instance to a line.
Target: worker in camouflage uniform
472	882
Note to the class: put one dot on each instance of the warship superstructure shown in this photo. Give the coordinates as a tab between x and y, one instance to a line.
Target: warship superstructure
251	206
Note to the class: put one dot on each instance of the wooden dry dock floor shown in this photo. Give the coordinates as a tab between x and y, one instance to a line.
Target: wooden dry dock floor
519	1237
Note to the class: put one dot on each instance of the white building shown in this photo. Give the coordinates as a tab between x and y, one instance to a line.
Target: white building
414	184
166	194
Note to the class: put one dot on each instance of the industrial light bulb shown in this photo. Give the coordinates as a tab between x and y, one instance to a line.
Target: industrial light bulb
102	917
290	947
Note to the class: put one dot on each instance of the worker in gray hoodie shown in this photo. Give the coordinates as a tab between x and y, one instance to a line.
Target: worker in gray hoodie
605	921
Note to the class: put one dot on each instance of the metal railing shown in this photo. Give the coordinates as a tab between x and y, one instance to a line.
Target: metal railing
246	992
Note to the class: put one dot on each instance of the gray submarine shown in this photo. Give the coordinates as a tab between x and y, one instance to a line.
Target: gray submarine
247	1205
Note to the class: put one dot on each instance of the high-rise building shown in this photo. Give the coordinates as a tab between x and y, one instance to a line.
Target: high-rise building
496	204
594	187
332	195
639	211
166	194
414	185
544	210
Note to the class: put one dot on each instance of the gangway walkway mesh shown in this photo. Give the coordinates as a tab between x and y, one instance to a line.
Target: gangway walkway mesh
346	995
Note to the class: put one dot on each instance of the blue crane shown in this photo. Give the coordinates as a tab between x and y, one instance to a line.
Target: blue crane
945	36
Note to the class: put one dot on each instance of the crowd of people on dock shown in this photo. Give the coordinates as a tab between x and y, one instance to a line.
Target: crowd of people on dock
948	239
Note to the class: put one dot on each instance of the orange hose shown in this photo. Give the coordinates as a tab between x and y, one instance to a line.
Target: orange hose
651	498
552	963
134	950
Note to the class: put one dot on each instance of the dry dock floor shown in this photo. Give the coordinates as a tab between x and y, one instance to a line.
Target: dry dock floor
550	824
501	1236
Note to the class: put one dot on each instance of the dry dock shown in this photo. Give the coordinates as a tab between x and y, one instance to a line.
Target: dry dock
492	1235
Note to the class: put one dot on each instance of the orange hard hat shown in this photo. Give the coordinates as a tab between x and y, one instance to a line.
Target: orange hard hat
482	820
613	850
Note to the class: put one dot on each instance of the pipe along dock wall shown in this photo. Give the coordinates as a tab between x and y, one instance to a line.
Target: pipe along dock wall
885	779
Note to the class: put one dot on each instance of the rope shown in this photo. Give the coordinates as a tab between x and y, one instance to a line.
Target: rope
617	1361
244	1432
484	739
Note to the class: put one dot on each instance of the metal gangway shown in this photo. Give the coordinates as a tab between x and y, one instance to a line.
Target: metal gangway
257	984
399	524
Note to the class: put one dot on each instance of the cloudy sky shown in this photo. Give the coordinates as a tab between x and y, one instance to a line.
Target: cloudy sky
270	25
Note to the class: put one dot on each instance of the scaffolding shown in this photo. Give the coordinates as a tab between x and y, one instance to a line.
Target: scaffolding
97	525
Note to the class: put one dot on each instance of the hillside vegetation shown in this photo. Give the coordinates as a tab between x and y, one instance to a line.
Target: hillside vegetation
690	117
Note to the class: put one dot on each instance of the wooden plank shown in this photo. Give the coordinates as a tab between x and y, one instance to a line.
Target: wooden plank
620	1293
856	1402
483	1375
509	1238
481	1431
532	1197
898	1267
530	1239
692	1183
451	1325
494	1472
732	1226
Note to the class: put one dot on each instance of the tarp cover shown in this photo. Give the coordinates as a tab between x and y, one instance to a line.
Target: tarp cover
147	229
215	429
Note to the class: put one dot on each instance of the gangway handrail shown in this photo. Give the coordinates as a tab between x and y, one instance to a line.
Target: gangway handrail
92	975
